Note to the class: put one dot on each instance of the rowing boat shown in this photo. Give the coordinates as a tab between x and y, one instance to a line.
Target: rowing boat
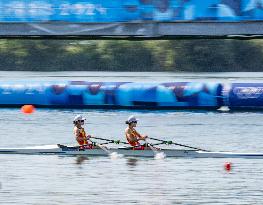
125	151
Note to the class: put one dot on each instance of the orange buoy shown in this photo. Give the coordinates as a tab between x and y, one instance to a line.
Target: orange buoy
228	166
27	109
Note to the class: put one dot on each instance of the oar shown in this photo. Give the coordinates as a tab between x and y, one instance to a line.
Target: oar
110	141
112	155
100	146
157	153
182	145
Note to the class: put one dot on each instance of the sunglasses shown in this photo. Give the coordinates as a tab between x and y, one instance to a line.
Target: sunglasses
81	120
134	122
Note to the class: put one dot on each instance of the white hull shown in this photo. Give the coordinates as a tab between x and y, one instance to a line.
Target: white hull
49	150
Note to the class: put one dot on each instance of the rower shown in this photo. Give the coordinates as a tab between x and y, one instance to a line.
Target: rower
80	133
132	136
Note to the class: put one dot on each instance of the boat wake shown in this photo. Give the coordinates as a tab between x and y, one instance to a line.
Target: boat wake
160	155
112	155
115	155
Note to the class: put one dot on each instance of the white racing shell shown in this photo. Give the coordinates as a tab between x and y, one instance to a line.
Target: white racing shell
126	151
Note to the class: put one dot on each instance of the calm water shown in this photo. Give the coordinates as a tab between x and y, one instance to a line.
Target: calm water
42	180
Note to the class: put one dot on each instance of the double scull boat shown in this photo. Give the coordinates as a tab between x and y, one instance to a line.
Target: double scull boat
125	151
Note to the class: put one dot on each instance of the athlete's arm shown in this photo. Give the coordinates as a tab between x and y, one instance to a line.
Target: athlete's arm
76	131
141	137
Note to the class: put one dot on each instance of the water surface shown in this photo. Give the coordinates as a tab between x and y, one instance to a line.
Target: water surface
43	180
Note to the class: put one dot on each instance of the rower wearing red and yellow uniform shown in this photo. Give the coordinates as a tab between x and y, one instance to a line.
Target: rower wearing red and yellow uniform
132	136
80	133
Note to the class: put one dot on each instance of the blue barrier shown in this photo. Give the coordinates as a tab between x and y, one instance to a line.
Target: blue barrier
129	10
82	94
132	95
245	96
21	93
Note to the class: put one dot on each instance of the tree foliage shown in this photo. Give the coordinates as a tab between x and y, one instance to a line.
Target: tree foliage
203	55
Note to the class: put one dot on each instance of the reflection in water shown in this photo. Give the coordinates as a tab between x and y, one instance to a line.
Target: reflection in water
81	159
132	162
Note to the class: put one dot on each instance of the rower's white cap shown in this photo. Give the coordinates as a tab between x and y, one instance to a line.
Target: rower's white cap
132	118
78	118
